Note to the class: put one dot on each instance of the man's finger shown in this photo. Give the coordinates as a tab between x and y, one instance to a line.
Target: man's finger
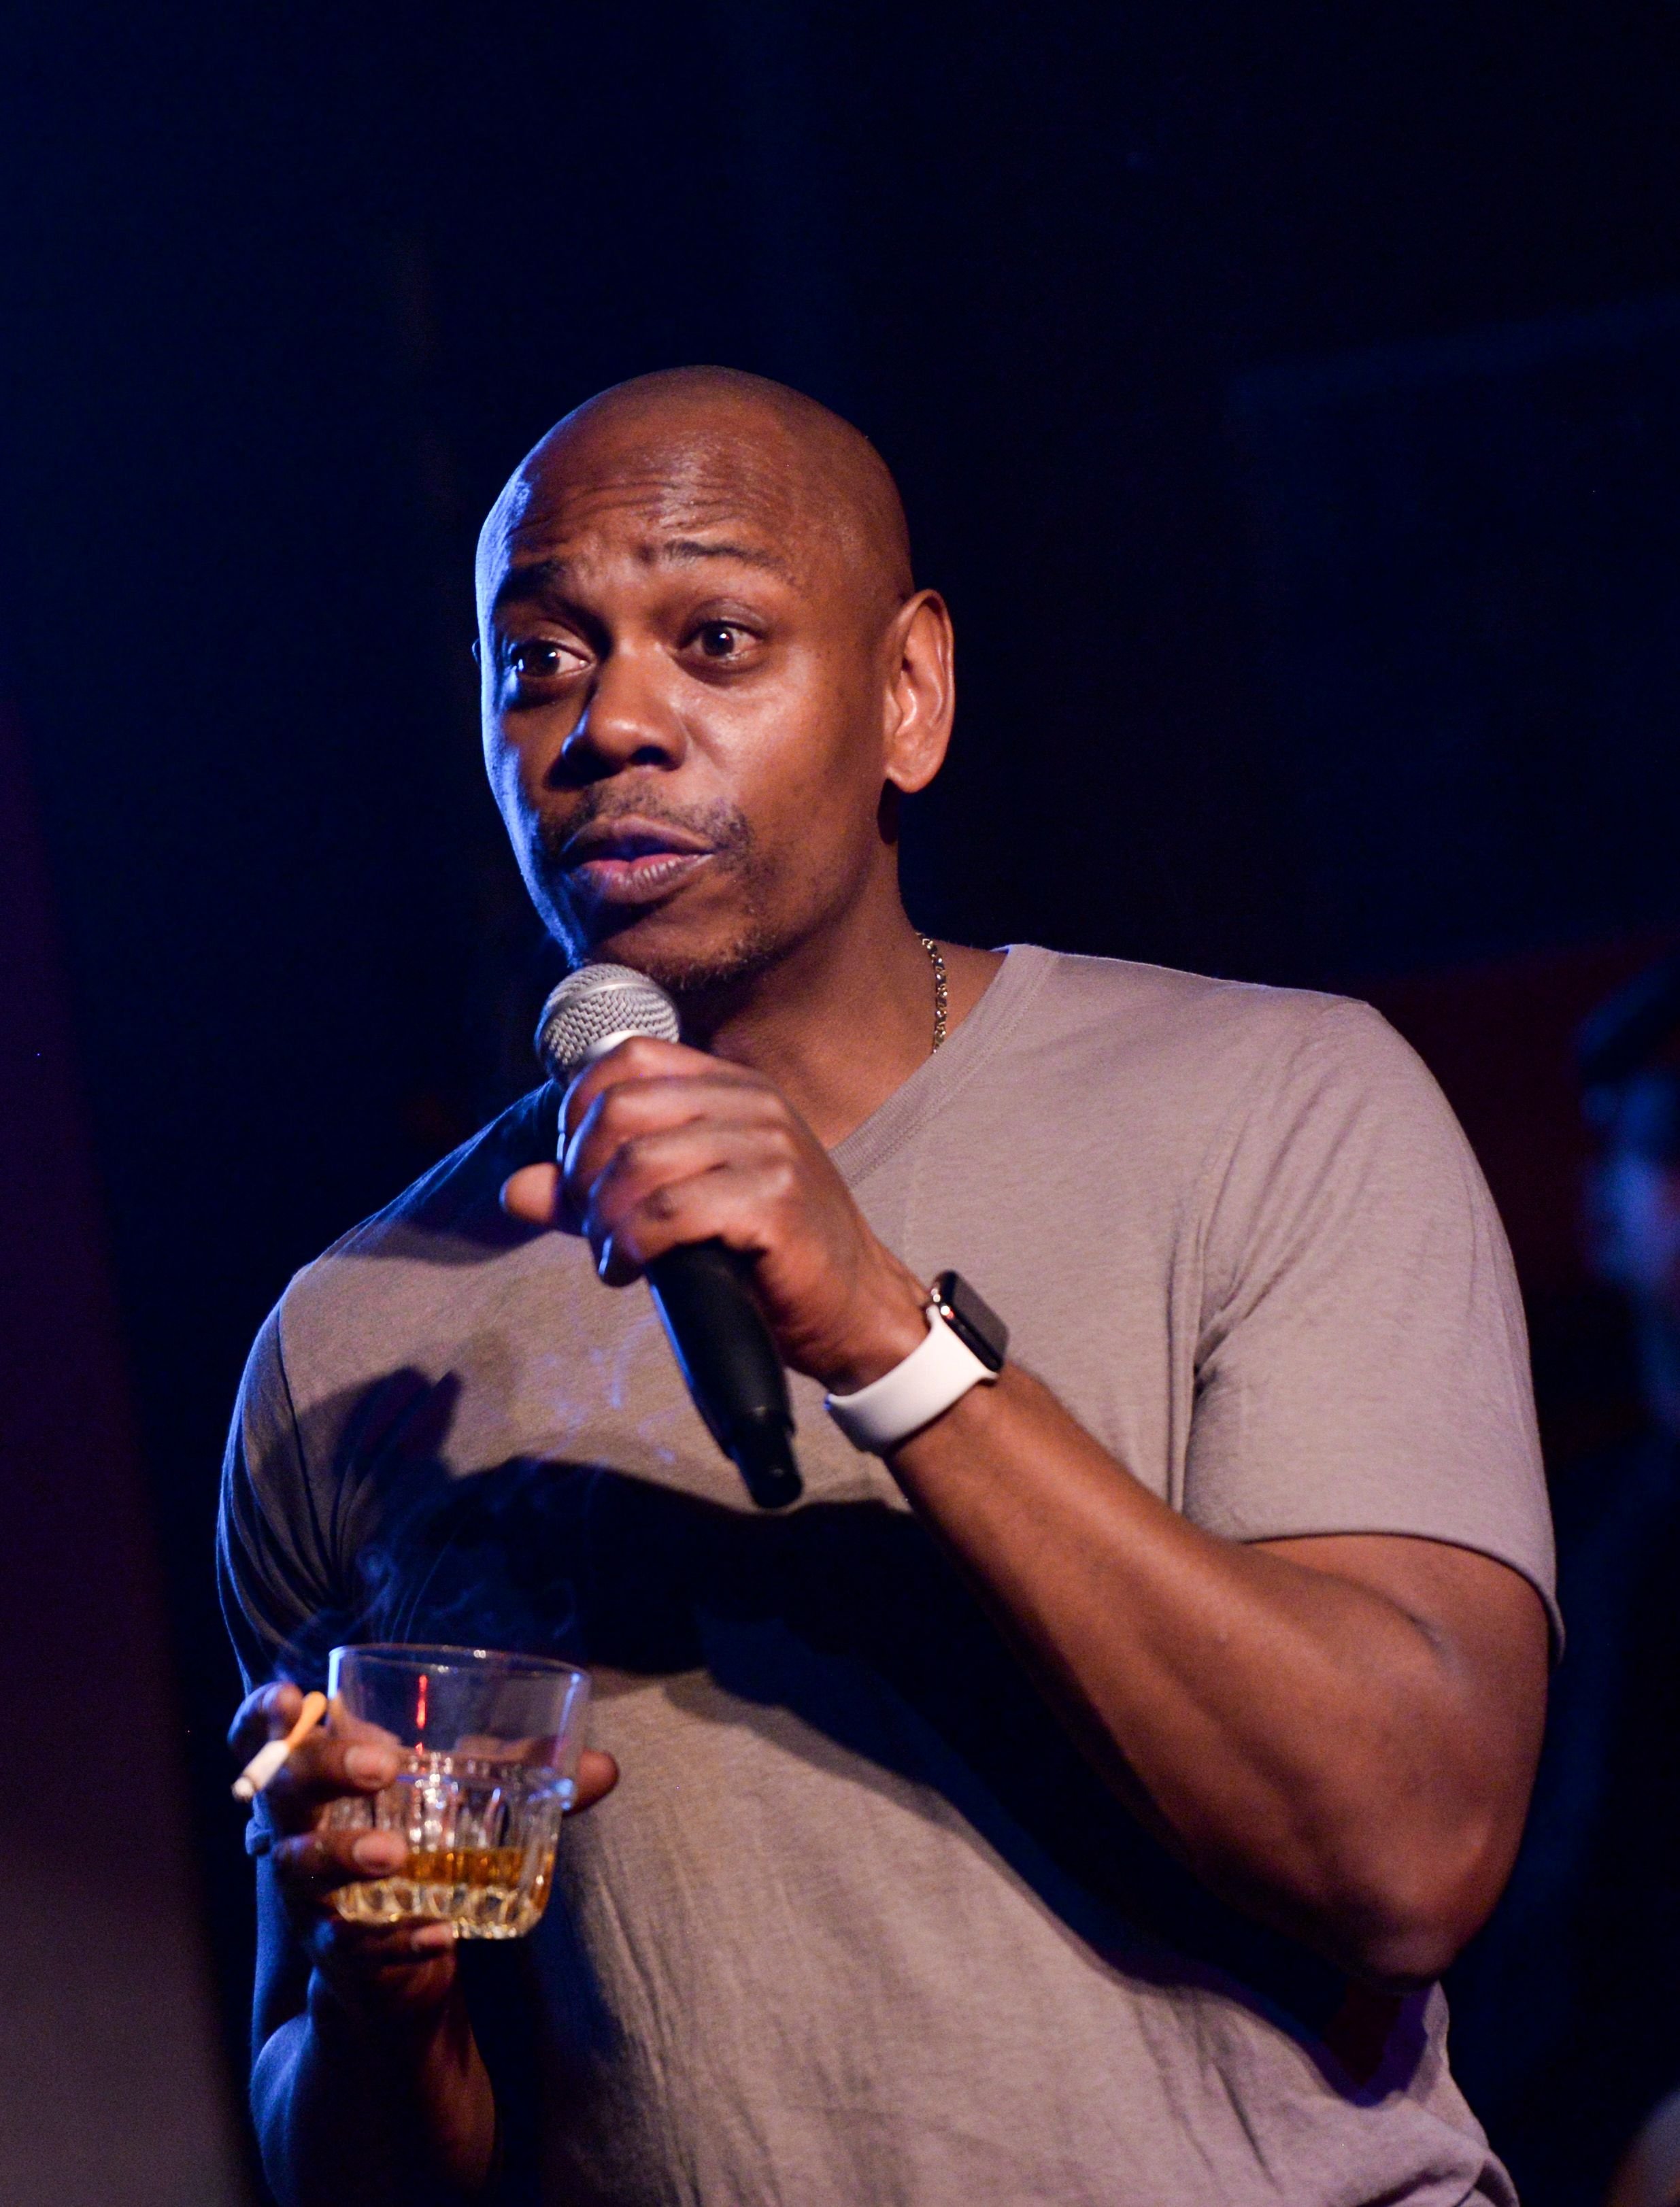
324	1769
268	1713
597	1775
533	1194
733	1206
372	1950
644	1057
635	1108
315	1864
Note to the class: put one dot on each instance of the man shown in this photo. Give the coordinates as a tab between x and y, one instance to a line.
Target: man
1075	1800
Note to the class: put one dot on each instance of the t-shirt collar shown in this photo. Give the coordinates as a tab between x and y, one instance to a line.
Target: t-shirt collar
945	1070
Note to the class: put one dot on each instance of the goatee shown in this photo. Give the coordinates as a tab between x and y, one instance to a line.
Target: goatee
705	984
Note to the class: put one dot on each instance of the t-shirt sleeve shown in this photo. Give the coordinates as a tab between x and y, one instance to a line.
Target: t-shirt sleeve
273	1556
1362	1361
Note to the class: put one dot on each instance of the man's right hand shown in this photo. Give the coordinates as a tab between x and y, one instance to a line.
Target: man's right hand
402	1972
404	1969
372	2086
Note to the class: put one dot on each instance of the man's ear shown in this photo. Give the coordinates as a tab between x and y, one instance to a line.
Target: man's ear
921	692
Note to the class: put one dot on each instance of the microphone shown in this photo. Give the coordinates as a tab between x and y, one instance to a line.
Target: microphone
701	1289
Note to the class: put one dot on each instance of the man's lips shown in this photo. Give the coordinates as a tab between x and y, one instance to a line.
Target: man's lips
631	861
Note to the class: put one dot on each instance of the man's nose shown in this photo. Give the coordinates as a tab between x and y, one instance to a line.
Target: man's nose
629	719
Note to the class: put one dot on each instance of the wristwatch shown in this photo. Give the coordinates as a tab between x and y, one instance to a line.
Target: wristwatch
965	1349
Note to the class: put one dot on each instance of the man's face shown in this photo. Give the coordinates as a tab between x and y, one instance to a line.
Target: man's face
683	692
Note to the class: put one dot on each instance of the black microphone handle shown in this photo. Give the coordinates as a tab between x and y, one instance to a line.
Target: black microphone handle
701	1292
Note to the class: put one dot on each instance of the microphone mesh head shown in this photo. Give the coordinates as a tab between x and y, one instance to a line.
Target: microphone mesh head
596	1004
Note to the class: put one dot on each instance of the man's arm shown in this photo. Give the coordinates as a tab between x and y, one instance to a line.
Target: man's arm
1338	1734
365	2080
367	2084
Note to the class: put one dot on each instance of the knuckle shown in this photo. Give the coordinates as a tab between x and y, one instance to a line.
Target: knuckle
775	1150
616	1108
297	1785
282	1798
290	1858
606	1200
783	1182
623	1253
630	1158
261	1712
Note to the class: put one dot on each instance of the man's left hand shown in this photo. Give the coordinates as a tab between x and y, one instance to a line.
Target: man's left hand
663	1145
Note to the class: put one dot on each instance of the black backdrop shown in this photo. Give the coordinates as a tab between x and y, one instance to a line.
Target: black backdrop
287	293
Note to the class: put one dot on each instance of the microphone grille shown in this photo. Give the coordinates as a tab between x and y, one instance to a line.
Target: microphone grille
596	1005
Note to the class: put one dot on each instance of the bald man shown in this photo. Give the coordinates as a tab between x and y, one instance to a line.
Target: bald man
1078	1797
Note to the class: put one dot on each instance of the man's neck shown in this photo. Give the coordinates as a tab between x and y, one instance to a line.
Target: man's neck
843	1021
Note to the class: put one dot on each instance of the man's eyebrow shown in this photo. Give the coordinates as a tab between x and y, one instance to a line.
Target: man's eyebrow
537	578
683	549
545	579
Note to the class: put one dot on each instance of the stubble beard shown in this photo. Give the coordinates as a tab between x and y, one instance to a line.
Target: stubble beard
706	981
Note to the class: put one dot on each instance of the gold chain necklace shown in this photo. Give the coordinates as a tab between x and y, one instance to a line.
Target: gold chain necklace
941	999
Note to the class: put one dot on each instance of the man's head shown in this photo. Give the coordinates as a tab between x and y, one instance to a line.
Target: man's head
705	671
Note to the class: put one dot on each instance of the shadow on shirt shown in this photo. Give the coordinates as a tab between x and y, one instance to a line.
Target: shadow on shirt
847	1615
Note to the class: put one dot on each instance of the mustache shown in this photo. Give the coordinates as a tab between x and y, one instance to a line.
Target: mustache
724	827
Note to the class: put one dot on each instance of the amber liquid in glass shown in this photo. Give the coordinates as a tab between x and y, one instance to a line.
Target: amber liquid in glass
487	1892
481	1842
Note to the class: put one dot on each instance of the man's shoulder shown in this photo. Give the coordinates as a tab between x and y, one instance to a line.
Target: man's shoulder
1219	1030
459	1196
451	1217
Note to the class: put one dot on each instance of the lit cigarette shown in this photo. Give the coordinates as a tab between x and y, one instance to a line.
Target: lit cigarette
268	1759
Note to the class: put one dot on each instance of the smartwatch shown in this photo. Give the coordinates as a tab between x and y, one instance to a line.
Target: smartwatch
965	1348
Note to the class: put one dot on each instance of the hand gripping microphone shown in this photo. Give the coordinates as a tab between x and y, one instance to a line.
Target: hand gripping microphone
700	1289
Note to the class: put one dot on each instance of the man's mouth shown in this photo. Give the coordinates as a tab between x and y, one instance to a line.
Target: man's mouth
631	861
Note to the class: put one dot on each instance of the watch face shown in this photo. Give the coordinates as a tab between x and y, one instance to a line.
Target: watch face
971	1319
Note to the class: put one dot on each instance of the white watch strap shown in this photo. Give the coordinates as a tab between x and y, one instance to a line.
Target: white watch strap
937	1372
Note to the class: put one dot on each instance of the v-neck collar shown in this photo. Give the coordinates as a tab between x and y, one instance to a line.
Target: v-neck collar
944	1071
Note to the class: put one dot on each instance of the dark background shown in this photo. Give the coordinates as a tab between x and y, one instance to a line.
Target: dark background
1285	398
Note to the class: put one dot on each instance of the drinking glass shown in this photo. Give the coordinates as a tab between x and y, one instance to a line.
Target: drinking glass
489	1744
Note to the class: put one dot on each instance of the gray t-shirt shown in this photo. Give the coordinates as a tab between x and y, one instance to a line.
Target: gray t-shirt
859	1926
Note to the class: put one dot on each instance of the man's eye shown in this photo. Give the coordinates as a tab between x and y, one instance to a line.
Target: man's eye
537	661
539	658
720	639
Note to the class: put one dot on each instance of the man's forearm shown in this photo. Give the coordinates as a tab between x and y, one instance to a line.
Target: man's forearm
350	2108
1314	1746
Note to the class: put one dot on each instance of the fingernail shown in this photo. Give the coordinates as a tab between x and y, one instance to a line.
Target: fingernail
433	1935
374	1765
378	1850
